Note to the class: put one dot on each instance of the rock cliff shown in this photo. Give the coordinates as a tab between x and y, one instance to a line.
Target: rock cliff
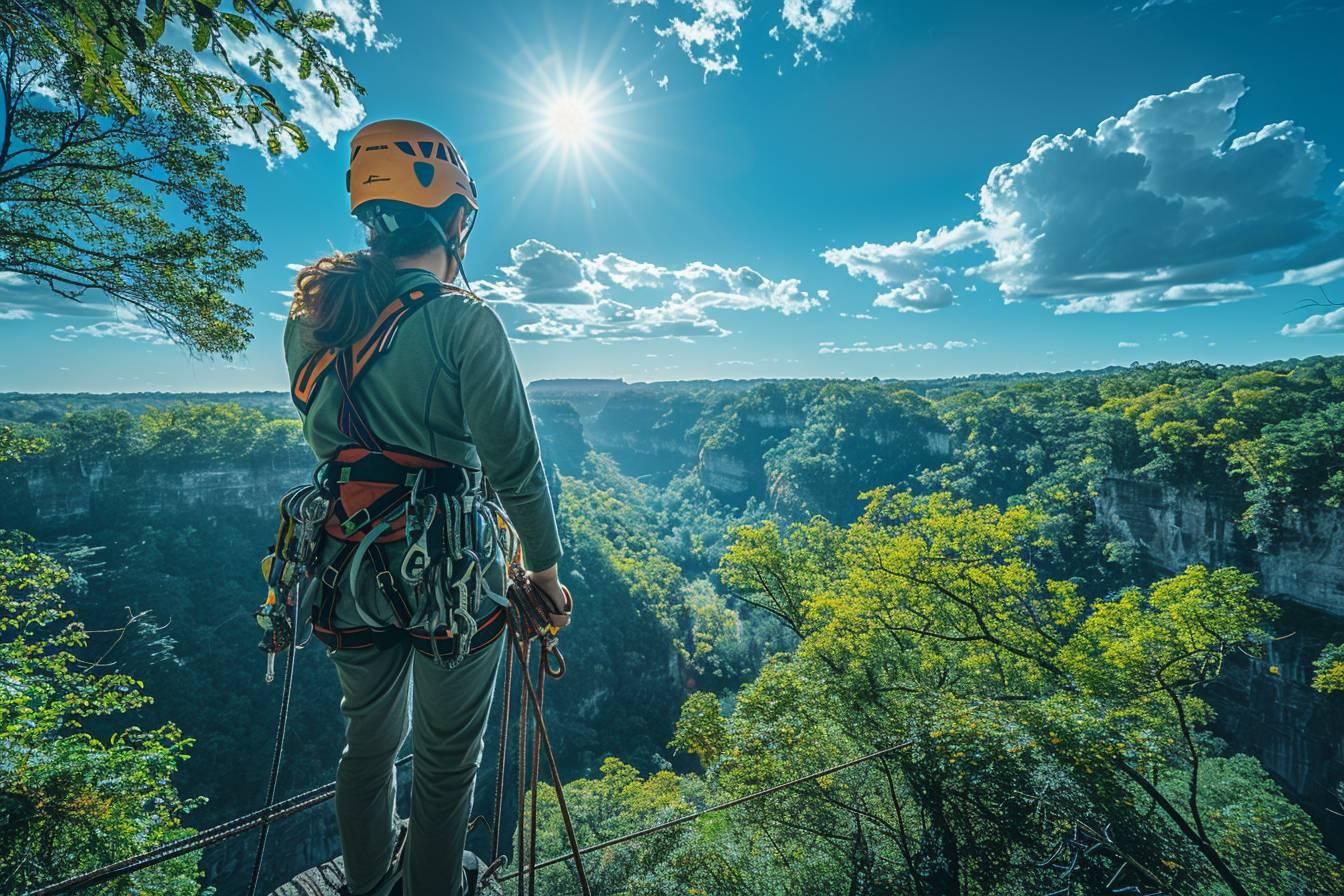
1266	707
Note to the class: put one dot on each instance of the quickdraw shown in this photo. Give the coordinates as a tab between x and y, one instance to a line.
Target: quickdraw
303	512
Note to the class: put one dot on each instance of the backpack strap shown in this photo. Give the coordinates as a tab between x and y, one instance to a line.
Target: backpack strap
352	362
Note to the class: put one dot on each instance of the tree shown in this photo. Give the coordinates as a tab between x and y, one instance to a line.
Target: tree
105	45
1033	713
112	185
70	800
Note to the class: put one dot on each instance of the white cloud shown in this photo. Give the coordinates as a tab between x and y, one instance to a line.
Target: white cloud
904	261
1316	275
1160	300
125	326
25	299
921	295
830	348
710	32
357	28
816	22
1329	322
1126	345
549	293
710	40
1162	207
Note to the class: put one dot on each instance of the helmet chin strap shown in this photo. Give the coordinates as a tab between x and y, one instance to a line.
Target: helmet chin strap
457	257
454	245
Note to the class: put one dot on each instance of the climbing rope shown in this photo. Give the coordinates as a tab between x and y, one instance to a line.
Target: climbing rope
286	691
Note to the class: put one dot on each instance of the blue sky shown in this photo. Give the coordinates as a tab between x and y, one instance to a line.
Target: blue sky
711	188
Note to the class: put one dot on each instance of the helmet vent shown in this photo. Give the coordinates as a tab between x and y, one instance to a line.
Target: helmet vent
424	172
426	148
441	154
405	147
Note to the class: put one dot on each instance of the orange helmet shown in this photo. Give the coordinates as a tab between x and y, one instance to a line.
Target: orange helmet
397	161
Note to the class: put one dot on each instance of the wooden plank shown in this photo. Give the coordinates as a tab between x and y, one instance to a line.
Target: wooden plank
324	880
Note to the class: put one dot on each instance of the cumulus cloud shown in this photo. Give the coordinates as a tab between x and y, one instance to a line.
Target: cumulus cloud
900	262
921	295
548	293
356	28
1329	322
1162	207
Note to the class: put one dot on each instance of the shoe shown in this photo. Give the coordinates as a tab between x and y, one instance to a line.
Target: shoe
473	870
390	885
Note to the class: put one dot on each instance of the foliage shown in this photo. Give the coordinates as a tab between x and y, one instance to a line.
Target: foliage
1329	669
701	730
14	445
69	800
851	433
1023	715
106	49
111	205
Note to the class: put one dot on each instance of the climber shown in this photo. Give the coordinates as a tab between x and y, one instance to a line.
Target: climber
414	406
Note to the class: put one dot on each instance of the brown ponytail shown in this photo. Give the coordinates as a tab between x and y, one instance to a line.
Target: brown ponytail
341	295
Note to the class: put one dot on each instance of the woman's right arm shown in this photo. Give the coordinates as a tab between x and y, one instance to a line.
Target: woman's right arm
500	420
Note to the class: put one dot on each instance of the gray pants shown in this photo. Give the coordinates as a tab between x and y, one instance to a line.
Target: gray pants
450	710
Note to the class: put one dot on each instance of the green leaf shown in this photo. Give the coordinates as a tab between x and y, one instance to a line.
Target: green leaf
243	28
176	87
305	65
296	132
118	88
200	37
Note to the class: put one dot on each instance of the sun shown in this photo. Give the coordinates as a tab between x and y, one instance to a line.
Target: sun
572	119
568	122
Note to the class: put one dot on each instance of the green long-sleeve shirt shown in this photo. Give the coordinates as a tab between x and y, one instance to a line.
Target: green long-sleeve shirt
448	387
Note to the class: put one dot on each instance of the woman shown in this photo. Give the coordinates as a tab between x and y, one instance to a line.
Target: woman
409	391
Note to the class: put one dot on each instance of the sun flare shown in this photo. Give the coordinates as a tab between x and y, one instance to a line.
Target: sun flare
571	119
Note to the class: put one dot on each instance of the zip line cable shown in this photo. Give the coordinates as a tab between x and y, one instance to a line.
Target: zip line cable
209	837
318	795
671	823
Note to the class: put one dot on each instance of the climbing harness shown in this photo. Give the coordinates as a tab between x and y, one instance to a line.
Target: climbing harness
448	516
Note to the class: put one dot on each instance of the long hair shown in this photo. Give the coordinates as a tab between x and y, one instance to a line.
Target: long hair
340	296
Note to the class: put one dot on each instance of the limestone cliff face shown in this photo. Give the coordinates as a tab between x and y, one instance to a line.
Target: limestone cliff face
1266	707
727	475
1175	527
650	435
38	495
